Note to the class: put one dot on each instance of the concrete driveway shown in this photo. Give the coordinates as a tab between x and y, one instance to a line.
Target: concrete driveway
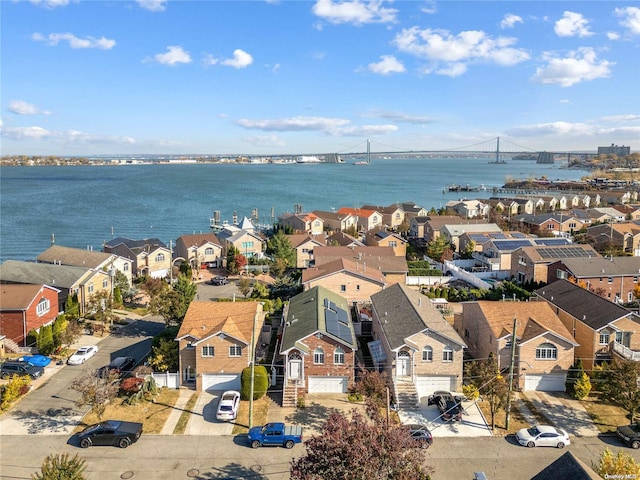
203	420
564	412
472	424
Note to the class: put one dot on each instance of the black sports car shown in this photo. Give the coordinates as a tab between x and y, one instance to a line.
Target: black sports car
111	433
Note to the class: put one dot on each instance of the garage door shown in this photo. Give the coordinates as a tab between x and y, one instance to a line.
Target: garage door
328	384
220	382
426	385
547	382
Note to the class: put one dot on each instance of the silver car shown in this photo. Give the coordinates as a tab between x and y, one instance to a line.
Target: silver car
543	436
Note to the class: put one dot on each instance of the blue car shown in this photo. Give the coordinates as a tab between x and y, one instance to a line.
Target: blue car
37	360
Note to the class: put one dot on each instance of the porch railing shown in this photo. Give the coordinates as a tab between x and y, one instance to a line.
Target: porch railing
626	352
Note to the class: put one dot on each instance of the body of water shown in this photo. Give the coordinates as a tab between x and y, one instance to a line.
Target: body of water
84	206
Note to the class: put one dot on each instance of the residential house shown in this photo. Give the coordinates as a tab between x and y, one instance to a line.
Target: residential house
452	232
384	238
547	224
341	239
367	219
436	224
304	245
86	284
24	308
393	216
543	350
78	257
506	206
150	257
383	259
417	229
613	278
496	253
614	214
621	237
351	280
248	242
215	343
602	329
337	222
468	208
411	210
308	223
318	344
200	250
630	212
531	263
414	344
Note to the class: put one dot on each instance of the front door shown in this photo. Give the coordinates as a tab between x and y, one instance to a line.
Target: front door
295	367
404	364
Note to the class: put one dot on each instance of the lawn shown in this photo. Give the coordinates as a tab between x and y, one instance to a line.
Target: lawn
260	411
605	415
152	414
516	421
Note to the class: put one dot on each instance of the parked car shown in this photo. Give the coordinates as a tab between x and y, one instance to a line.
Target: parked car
82	355
111	433
119	365
37	360
275	434
449	406
16	367
543	436
630	434
228	405
219	281
420	434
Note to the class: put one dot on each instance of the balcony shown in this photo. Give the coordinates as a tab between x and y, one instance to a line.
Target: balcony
626	352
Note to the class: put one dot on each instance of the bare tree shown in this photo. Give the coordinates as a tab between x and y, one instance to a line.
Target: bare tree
96	390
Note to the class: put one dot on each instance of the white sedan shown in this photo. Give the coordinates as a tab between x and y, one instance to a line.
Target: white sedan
82	355
228	406
543	436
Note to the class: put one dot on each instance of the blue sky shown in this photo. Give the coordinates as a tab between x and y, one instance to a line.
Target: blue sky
86	77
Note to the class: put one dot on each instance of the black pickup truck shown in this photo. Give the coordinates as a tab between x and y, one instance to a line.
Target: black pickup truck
630	434
449	406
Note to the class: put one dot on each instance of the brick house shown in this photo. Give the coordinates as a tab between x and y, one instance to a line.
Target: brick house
304	246
383	259
384	238
544	347
214	343
199	250
318	344
24	308
531	264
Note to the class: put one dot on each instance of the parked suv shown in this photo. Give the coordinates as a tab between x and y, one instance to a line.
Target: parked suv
20	368
119	365
219	281
449	406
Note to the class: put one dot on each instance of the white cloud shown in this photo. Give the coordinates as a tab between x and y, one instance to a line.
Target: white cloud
265	141
613	36
173	56
387	65
241	59
450	54
572	24
429	7
621	118
74	42
510	20
630	18
565	100
20	107
51	3
579	66
328	126
153	5
568	129
403	117
356	12
25	132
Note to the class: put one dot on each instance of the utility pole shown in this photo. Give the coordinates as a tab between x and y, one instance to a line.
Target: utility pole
253	361
511	365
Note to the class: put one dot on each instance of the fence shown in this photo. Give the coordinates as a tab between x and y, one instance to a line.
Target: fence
167	379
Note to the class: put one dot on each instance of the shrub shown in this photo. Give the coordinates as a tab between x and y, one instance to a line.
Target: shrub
17	386
582	387
45	340
131	385
470	391
60	467
355	397
260	382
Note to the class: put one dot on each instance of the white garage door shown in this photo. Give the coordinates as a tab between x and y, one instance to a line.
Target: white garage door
328	384
220	382
546	382
426	385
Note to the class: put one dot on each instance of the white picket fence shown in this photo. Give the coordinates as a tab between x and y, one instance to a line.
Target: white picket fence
167	379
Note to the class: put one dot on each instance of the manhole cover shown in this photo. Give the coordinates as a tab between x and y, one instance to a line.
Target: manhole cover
256	468
126	475
194	472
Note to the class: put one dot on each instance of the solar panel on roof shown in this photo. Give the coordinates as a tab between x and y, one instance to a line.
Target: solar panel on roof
552	241
518	235
377	352
511	244
562	252
497	235
336	321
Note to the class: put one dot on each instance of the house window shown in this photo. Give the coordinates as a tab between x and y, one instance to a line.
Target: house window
551	226
338	356
305	250
160	257
235	351
207	351
208	251
522	261
466	333
447	354
561	274
572	225
427	354
318	356
43	306
343	288
546	351
619	337
393	244
105	283
125	267
90	288
635	279
630	297
604	337
247	245
610	280
358	288
190	346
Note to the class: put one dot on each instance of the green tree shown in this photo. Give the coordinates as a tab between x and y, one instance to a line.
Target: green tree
121	282
438	248
117	297
260	382
164	356
244	285
59	326
493	387
45	340
575	372
282	252
172	303
71	333
469	249
621	385
61	467
621	465
260	290
96	390
72	307
582	387
231	259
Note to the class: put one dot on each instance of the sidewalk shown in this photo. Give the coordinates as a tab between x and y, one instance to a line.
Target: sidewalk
178	408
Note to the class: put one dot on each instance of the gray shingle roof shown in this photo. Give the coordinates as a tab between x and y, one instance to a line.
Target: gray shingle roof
404	312
60	276
603	267
567	467
591	309
73	256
